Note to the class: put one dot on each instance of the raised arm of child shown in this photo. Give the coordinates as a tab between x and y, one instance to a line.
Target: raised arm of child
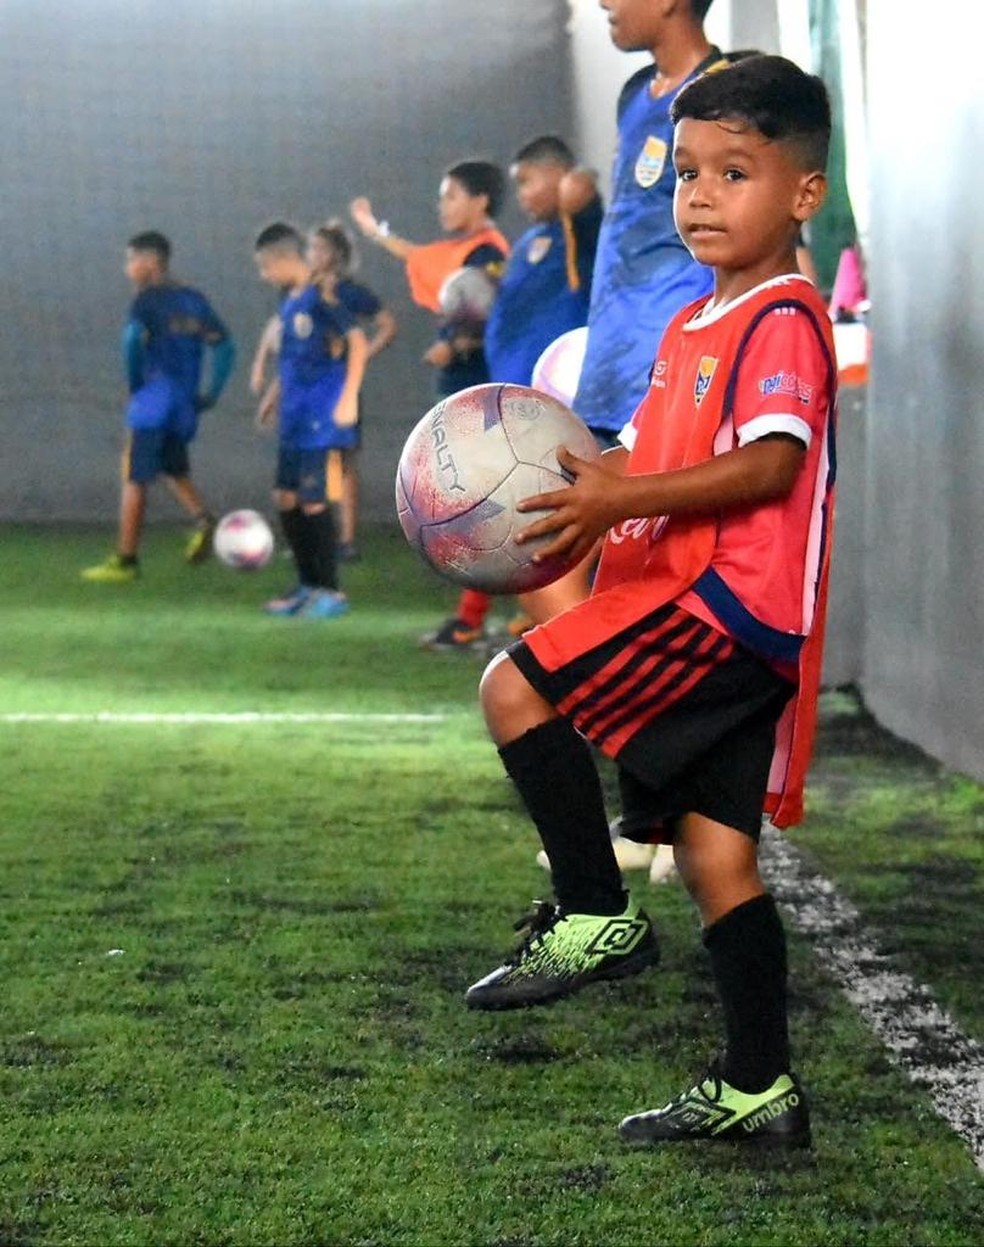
379	232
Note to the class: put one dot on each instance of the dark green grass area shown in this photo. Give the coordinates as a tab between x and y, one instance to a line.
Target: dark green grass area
234	958
906	837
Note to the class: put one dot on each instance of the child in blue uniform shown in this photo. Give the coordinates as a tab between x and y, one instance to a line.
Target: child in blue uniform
332	259
168	331
321	365
544	291
644	274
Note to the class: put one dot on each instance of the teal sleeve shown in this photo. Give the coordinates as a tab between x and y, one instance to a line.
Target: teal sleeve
223	362
133	354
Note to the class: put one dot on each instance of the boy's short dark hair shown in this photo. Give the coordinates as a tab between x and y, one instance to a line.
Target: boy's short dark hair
548	149
480	177
155	242
281	237
699	8
772	95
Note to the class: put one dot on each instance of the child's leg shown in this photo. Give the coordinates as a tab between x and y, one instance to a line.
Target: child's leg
349	507
744	937
319	537
292	526
555	773
133	506
187	496
543	604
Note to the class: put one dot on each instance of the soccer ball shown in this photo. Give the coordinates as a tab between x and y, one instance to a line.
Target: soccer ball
466	296
243	540
463	469
558	370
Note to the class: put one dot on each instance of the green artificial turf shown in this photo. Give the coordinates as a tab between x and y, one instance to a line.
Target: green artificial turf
234	955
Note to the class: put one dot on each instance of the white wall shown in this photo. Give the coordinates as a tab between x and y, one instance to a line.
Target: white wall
924	655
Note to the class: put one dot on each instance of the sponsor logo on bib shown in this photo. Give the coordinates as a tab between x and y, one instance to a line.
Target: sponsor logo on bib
303	325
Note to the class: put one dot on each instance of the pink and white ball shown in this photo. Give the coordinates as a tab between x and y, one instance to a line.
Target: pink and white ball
243	540
558	370
464	468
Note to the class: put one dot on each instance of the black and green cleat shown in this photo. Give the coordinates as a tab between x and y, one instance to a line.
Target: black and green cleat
713	1109
560	953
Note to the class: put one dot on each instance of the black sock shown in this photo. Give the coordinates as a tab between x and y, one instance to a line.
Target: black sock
322	536
294	529
747	948
553	769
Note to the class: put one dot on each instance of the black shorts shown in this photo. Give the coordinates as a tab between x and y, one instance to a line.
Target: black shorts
707	751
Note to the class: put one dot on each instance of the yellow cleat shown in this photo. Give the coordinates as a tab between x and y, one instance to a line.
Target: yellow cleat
113	572
199	545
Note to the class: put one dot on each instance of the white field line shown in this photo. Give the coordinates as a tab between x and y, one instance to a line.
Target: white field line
921	1037
245	717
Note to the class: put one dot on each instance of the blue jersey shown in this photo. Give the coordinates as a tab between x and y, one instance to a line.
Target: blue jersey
176	323
166	335
643	273
358	300
313	365
545	291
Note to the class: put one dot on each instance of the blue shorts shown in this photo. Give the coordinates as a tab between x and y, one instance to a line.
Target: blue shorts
150	452
160	405
314	475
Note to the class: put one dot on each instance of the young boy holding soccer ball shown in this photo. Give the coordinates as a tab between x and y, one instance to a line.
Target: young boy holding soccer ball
695	662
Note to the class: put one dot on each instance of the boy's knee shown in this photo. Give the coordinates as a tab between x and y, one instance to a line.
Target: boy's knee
510	704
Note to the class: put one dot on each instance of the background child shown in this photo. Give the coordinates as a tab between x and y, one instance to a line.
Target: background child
170	326
469	197
333	260
706	615
544	291
321	364
644	273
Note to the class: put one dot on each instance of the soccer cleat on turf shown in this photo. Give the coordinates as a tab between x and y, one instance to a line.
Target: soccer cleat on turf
454	634
348	552
115	571
288	603
199	545
560	953
323	604
778	1117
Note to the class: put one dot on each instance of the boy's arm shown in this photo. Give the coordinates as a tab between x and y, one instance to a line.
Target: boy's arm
379	232
384	329
269	404
762	471
223	360
269	344
346	411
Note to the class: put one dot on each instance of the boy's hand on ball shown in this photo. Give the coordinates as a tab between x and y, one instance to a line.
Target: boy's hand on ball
579	514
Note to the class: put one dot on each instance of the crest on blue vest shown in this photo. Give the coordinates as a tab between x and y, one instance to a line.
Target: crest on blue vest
651	162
